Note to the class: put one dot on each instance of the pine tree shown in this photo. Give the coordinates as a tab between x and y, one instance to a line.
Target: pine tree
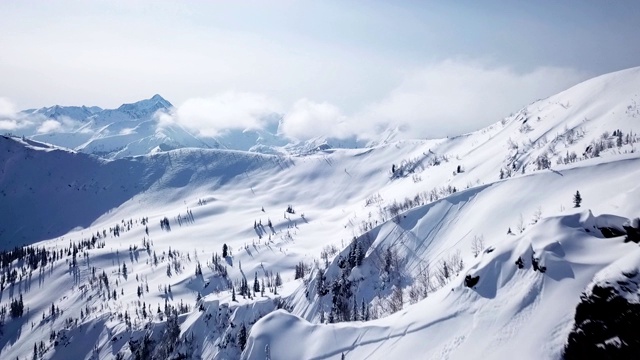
256	284
359	255
225	250
388	260
242	337
233	293
577	199
367	315
355	309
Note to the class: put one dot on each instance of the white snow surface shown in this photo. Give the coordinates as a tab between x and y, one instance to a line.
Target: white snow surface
51	196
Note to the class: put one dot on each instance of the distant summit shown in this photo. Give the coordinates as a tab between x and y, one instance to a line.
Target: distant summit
155	103
133	111
57	112
129	130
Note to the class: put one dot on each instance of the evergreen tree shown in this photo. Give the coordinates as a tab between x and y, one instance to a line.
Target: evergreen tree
242	337
388	260
321	287
256	284
367	315
299	271
577	199
16	308
355	309
225	250
359	254
351	258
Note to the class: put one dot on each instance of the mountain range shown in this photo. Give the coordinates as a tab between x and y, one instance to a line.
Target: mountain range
516	240
136	129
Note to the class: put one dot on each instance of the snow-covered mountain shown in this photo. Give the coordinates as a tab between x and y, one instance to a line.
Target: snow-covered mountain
141	110
465	247
130	130
135	129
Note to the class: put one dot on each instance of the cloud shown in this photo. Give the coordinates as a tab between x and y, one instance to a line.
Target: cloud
432	101
229	110
10	119
48	126
8	125
437	100
7	109
308	119
60	124
454	97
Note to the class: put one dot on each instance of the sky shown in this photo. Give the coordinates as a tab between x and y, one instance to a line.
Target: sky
338	68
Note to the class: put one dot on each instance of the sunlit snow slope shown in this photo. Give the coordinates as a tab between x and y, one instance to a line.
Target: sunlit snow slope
504	193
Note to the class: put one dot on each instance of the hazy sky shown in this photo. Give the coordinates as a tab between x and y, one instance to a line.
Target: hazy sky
435	67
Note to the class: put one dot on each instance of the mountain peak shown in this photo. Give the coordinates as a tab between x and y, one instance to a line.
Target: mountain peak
152	104
159	99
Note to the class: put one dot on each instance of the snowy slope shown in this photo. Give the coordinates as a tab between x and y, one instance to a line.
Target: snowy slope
79	188
510	310
445	200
